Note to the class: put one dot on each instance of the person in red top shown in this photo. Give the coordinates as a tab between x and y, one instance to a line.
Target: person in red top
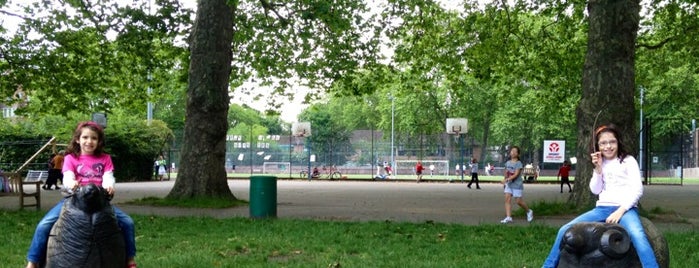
563	174
418	170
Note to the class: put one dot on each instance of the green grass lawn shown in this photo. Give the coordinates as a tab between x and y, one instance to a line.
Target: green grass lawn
243	242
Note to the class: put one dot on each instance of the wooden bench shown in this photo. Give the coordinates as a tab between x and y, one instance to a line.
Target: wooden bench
15	187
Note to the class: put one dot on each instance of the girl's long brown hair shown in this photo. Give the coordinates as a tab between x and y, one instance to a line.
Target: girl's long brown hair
74	146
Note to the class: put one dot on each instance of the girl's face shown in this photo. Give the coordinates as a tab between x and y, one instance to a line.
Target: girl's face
88	141
608	145
514	153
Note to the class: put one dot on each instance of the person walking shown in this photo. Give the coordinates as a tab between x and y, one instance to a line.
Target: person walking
55	173
563	174
418	171
616	180
85	163
514	186
160	166
474	173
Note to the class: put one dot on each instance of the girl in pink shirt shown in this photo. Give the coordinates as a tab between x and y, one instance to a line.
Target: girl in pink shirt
85	162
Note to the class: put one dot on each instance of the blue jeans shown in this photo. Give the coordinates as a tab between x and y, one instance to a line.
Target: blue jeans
37	250
631	223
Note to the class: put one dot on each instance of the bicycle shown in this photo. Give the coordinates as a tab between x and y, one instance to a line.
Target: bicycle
333	174
303	174
330	173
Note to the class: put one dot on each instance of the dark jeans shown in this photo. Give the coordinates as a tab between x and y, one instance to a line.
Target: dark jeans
474	177
565	180
54	176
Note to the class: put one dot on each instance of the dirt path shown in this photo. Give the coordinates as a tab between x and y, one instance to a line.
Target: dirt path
395	201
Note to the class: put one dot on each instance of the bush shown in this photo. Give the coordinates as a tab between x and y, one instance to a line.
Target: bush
132	143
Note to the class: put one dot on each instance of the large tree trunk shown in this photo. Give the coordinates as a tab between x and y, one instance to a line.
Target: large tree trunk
202	170
607	84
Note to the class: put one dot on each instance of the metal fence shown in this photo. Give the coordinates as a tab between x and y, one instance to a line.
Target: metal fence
367	149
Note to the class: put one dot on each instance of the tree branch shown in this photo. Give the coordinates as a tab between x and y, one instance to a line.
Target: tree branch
655	46
13	14
273	7
666	40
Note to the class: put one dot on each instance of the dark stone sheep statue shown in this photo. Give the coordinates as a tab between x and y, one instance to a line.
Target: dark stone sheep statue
594	244
87	233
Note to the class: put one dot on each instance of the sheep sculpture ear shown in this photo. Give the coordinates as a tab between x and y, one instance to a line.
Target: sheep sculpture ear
90	198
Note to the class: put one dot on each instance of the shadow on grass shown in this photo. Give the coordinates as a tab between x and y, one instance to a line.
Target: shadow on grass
202	202
548	208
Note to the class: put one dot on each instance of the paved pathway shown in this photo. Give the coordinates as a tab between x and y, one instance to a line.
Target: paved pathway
391	200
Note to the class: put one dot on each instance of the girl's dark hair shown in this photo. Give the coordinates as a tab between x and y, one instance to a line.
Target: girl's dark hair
74	145
611	128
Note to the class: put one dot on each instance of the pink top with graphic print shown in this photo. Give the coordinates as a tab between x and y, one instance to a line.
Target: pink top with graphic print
88	168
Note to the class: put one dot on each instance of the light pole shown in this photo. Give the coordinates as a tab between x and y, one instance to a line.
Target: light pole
149	90
393	115
640	138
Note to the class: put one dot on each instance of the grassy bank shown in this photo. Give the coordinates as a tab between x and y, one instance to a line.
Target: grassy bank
242	242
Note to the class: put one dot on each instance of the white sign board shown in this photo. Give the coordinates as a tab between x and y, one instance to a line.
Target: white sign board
554	151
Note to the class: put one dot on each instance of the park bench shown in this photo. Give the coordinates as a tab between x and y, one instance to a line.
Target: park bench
13	185
37	175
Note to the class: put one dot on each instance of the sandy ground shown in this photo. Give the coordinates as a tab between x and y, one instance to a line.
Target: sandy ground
405	201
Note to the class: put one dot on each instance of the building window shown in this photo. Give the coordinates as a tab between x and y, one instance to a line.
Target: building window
8	112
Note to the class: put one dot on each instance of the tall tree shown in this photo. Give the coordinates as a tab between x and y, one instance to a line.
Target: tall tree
316	41
608	83
202	171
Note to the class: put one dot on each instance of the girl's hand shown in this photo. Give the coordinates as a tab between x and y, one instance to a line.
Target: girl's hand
110	190
616	216
597	161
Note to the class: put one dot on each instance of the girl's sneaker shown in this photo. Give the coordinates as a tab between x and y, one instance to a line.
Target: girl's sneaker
506	220
530	215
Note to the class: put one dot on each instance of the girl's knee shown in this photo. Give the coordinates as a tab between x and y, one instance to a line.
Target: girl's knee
126	221
46	224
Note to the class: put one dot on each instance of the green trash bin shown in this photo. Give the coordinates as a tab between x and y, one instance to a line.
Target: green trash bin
263	196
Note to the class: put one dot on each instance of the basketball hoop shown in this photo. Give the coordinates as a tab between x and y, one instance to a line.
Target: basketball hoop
301	129
457	126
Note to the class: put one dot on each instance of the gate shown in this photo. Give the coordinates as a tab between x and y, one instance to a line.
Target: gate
666	150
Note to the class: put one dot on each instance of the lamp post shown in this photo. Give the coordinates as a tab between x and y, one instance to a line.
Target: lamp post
393	115
640	138
100	119
458	126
